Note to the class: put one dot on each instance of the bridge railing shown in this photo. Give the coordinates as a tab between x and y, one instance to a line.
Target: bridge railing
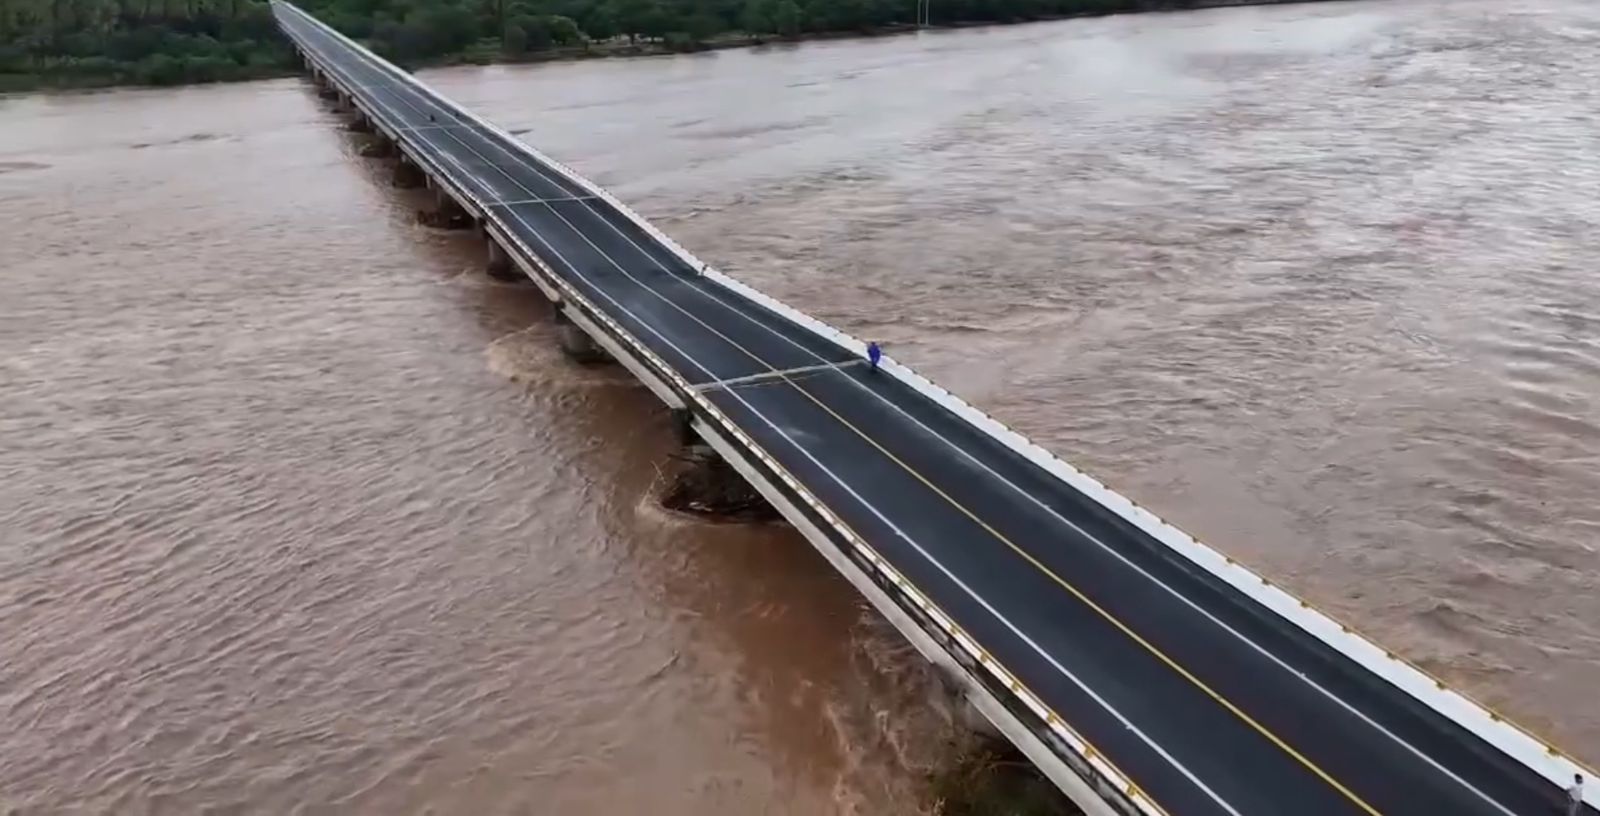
1086	755
1476	717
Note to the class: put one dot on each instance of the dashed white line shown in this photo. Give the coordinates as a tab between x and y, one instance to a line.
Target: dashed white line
775	374
540	200
1102	702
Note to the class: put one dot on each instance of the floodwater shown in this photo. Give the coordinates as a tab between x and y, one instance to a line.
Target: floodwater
299	510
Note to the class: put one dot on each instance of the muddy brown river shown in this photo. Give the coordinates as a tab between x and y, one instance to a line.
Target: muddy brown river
300	512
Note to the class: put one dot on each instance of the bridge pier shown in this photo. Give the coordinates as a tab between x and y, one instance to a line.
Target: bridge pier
576	343
683	428
706	484
500	266
379	147
446	213
360	124
407	175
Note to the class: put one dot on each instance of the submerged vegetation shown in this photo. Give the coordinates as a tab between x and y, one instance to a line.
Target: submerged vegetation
75	43
990	778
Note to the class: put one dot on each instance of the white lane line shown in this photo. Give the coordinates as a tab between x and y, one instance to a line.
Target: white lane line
1084	687
524	162
774	374
360	86
420	128
848	488
1302	676
578	194
1356	712
488	189
539	200
1102	702
1018	489
1015	630
655	261
469	172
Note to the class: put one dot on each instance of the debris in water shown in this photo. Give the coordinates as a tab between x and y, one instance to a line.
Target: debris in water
706	485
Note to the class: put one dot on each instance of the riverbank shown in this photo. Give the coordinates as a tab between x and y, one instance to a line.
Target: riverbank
101	43
233	55
127	78
668	46
743	40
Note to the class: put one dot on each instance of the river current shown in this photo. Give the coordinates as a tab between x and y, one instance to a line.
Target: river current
299	509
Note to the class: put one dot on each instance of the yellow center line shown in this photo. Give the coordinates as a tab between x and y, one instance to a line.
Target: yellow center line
1185	673
1065	584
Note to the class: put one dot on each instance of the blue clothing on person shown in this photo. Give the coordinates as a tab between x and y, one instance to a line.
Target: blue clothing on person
874	354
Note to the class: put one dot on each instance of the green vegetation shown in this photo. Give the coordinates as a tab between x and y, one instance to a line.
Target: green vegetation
62	43
428	31
70	43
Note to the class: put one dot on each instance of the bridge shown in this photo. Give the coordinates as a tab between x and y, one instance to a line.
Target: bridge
1142	671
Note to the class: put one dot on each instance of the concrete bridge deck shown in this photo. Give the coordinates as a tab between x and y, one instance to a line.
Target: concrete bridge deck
1144	672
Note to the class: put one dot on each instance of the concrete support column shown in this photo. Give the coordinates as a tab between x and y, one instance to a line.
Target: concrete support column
408	176
378	148
705	484
576	343
683	428
500	265
446	213
360	124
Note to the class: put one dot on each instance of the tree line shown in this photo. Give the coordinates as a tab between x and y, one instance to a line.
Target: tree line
428	30
167	42
145	42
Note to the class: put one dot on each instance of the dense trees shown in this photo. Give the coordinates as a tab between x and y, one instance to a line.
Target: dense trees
154	42
160	42
427	30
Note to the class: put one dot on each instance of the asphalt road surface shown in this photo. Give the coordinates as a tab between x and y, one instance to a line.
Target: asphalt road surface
1211	703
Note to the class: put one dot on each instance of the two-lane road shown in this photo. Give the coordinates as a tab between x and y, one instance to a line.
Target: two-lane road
1208	701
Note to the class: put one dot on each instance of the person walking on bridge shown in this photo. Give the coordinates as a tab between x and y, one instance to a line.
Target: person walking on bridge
1575	796
874	354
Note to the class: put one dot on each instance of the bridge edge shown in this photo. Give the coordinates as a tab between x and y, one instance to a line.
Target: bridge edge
1477	718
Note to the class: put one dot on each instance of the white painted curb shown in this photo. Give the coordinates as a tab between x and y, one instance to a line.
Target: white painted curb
1528	749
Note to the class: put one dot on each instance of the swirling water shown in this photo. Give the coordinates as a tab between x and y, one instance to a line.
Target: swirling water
299	510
